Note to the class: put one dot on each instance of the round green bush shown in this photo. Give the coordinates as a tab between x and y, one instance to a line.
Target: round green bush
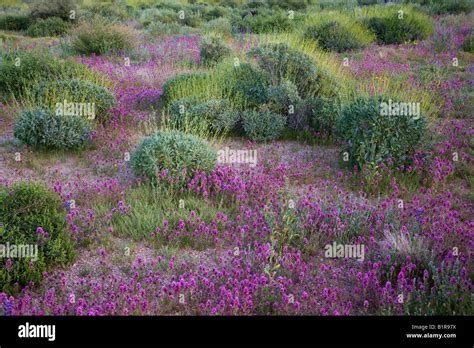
20	73
332	36
173	152
25	207
101	38
282	99
283	62
263	126
52	95
14	22
393	27
373	137
248	83
43	129
51	26
213	50
53	8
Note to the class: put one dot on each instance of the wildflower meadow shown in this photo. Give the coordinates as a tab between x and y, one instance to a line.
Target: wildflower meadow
236	158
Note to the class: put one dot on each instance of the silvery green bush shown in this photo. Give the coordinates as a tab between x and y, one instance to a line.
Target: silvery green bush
372	137
172	152
43	129
49	93
212	50
263	126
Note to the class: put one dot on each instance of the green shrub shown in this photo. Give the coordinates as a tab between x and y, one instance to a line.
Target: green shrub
468	44
172	151
282	99
332	36
212	50
317	113
324	114
44	129
337	31
217	114
49	94
176	84
394	27
211	13
283	62
23	208
373	137
221	26
14	22
100	38
447	6
34	67
248	83
53	8
182	106
51	26
264	21
262	126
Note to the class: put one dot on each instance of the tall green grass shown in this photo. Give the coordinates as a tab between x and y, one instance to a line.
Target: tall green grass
151	206
338	78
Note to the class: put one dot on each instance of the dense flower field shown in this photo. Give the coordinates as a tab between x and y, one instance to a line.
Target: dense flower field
342	210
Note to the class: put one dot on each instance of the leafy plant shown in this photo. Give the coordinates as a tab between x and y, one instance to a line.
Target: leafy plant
212	50
221	26
43	129
173	154
217	114
22	71
53	8
49	94
262	126
177	87
32	216
51	26
262	21
282	99
373	137
14	22
336	31
285	63
100	38
397	24
249	83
